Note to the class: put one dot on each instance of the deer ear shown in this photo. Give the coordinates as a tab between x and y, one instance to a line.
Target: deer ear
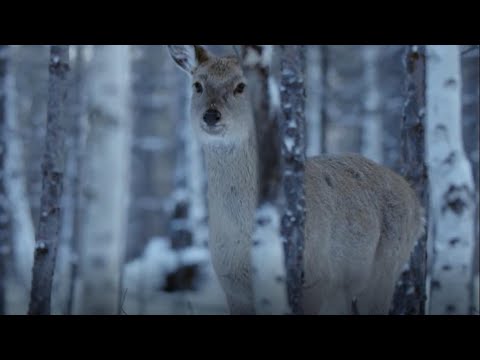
188	57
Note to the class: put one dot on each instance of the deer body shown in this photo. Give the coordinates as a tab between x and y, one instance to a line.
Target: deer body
362	220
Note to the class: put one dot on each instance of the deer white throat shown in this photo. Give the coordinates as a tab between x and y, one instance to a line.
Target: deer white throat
232	199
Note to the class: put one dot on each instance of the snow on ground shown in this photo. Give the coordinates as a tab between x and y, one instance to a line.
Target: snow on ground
141	283
143	279
17	296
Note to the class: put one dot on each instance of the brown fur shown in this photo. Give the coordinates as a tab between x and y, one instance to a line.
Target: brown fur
362	220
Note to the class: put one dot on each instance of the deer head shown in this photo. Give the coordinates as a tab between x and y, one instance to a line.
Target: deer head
220	104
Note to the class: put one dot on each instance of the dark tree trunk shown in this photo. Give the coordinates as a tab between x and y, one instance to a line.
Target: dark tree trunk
410	295
52	173
471	122
4	212
293	151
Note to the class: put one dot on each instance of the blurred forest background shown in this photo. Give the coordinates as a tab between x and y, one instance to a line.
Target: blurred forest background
137	173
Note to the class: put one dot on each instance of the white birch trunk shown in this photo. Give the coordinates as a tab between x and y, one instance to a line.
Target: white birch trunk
372	146
106	182
452	193
23	230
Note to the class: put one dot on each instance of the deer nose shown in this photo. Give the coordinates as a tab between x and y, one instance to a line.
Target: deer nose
212	117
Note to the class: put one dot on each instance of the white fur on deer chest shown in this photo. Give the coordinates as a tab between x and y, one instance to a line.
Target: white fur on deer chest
232	200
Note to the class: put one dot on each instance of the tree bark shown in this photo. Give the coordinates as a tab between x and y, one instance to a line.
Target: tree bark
452	193
105	180
410	295
68	257
471	123
31	105
293	151
5	244
53	171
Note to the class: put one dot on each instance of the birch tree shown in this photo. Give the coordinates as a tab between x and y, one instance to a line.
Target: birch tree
105	182
452	193
4	208
372	146
267	253
153	146
53	172
153	160
22	234
31	84
68	256
410	295
471	123
292	92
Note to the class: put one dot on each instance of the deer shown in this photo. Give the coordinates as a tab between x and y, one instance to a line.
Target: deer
362	219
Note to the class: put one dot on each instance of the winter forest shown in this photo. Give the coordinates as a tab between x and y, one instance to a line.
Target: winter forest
239	179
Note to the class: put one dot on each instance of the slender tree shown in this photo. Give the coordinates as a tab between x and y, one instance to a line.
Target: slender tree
471	123
31	84
153	145
293	150
452	193
68	256
4	208
410	294
79	137
267	253
53	172
105	182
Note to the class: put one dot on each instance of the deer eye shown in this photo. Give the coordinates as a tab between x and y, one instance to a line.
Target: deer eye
198	87
240	89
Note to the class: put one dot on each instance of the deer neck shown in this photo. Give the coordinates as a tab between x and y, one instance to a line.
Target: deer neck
232	200
232	172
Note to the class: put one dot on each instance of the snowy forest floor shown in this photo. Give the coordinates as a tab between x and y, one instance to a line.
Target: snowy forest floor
207	300
141	299
142	296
